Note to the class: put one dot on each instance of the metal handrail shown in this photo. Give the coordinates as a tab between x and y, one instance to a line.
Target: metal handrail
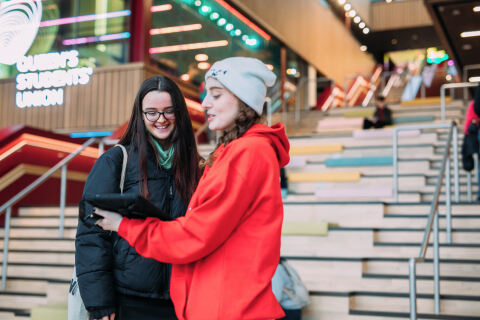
465	77
420	127
452	86
347	79
7	206
433	222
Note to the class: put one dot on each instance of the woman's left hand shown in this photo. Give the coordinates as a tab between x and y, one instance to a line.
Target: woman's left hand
111	220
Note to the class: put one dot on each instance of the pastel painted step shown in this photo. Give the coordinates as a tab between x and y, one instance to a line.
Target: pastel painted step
413	119
354	192
359	162
324	177
383	133
315	149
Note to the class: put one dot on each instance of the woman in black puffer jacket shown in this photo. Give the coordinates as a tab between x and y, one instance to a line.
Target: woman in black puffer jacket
163	166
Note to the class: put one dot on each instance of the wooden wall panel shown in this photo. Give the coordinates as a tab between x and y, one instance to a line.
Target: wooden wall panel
314	32
398	15
104	103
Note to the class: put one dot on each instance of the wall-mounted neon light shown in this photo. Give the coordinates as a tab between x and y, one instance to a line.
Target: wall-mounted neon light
163	7
88	17
106	37
188	27
244	19
189	46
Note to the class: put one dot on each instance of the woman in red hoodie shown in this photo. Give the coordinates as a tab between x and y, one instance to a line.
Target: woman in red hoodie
226	249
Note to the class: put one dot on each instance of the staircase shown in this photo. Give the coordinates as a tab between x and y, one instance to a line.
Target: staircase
359	271
40	264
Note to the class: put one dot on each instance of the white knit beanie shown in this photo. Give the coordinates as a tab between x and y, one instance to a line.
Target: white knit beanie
246	78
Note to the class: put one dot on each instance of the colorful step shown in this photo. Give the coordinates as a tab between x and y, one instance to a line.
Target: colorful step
305	228
425	101
324	177
400	120
315	149
359	162
373	192
362	113
297	162
383	133
339	123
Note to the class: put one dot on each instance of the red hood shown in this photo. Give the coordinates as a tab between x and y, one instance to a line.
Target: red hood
277	137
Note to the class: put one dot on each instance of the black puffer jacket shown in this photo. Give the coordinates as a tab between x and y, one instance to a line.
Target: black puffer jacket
106	263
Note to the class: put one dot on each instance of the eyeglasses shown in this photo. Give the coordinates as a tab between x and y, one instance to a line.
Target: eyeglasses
153	116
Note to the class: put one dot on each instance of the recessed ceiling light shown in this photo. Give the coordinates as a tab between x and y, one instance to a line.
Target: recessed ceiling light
203	65
357	19
448	77
366	30
467	46
394	41
201	57
341	2
361	25
474	79
456	12
185	77
347	7
363	48
352	13
468	34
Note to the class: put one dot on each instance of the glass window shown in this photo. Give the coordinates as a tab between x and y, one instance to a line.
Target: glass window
97	29
189	35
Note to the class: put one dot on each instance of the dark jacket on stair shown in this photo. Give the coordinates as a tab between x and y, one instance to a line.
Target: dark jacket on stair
106	264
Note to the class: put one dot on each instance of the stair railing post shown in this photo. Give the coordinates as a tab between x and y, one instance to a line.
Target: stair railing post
5	247
63	192
436	267
413	289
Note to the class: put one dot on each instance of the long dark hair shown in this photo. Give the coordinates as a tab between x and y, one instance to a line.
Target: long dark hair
186	159
245	119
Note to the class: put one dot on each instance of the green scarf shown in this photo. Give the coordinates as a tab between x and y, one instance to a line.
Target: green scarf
165	156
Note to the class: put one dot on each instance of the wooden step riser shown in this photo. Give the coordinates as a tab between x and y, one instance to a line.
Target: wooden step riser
414	167
40	245
422	208
347	218
457	237
401	268
49	258
43	222
457	307
311	197
21	302
322	247
37	271
39	233
47	211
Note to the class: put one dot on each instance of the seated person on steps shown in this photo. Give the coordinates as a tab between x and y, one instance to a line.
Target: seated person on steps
382	116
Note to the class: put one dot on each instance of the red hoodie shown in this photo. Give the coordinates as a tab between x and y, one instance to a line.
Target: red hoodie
226	249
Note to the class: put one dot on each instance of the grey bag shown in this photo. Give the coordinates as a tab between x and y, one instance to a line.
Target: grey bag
76	308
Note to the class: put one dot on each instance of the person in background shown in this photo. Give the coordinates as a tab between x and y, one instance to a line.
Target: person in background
226	248
382	116
163	165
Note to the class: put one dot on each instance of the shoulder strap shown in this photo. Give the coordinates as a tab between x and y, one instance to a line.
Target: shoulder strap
124	166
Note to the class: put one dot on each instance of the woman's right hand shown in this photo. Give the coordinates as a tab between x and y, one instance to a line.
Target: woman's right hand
109	317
